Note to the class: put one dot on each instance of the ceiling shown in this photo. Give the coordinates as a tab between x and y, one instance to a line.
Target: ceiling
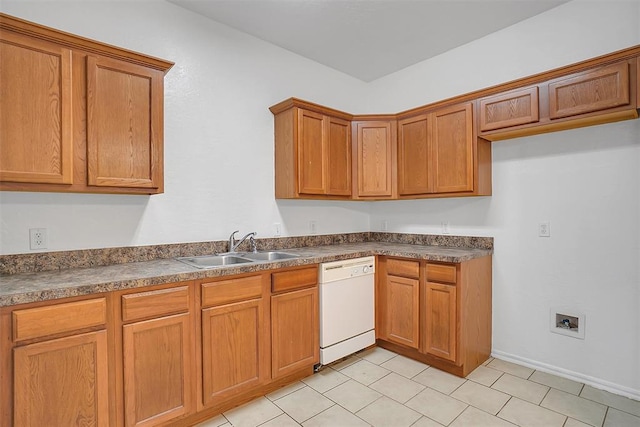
368	39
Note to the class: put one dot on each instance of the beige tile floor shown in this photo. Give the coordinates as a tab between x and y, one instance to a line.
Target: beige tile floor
380	388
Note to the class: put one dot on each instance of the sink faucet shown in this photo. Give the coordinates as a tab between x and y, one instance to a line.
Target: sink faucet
233	244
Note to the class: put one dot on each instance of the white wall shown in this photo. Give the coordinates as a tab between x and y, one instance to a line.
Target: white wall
575	31
219	173
585	182
218	135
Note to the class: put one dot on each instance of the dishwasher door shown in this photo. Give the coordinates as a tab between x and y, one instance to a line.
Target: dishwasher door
347	318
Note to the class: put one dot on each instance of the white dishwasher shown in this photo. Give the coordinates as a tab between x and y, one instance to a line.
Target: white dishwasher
346	307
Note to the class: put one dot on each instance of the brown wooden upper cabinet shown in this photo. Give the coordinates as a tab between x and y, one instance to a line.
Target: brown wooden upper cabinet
453	146
313	152
77	115
414	156
375	158
637	81
593	90
443	149
124	126
596	95
36	142
439	154
508	109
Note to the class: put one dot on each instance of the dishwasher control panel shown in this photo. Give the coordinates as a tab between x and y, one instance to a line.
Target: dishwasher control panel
344	269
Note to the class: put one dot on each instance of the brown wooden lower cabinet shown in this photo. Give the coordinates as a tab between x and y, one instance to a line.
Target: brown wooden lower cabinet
453	327
441	320
402	316
173	354
177	354
62	382
234	349
158	370
158	362
295	331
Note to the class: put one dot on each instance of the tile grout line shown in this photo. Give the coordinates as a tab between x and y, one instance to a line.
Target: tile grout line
606	413
356	359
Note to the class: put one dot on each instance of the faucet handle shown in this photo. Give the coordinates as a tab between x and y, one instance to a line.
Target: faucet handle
232	241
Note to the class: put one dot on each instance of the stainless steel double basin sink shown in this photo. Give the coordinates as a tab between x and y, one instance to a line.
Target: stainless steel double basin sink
223	260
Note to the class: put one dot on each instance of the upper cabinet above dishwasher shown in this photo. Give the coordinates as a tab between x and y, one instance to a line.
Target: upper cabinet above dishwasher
78	115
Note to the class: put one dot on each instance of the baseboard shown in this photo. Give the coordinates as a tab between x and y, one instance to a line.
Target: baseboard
565	373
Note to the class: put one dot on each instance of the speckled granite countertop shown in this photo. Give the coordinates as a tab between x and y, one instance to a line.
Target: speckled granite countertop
30	287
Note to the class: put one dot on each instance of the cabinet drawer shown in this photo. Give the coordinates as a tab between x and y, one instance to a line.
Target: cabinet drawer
398	267
294	279
155	303
441	273
231	290
55	319
594	90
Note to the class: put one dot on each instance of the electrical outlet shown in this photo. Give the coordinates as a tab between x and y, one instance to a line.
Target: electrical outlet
277	229
38	238
384	225
445	227
544	229
313	227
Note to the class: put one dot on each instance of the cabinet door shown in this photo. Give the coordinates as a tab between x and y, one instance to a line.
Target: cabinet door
338	157
638	82
124	124
311	153
36	143
593	90
402	310
441	321
62	382
509	109
295	331
452	141
234	349
375	159
414	156
158	370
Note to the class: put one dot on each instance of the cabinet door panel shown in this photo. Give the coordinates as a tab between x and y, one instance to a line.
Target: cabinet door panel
638	82
453	149
234	357
339	157
375	159
36	143
158	369
594	90
403	305
311	175
441	324
62	382
124	124
295	331
414	156
514	108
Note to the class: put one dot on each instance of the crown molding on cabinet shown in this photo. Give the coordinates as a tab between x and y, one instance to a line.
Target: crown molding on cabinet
72	41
